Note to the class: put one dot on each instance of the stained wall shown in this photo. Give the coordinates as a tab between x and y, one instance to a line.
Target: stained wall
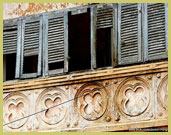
13	10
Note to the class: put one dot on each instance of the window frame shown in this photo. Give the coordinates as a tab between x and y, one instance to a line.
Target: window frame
24	20
114	35
12	22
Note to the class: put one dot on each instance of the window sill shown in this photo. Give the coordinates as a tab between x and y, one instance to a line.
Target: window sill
91	75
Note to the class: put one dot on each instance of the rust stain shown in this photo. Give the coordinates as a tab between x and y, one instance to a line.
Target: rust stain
24	9
63	5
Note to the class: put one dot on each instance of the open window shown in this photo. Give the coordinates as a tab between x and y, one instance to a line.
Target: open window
10	36
79	35
104	35
31	45
105	17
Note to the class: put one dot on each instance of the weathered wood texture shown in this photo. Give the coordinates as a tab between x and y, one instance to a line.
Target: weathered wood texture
114	99
85	76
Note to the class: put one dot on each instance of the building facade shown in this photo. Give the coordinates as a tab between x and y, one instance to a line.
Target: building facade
85	67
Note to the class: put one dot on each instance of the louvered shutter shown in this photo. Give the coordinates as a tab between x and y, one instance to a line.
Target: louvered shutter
12	40
104	14
155	31
129	33
10	31
56	42
31	42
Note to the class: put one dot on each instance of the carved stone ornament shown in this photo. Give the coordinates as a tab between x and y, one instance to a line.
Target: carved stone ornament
52	97
15	106
91	101
132	97
162	92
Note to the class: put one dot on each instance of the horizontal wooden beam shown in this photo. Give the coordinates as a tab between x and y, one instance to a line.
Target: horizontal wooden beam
85	76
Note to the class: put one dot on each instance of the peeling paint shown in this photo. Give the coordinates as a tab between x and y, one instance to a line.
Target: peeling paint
13	10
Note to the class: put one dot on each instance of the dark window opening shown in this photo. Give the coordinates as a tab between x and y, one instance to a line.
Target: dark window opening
30	64
103	48
57	65
79	41
10	66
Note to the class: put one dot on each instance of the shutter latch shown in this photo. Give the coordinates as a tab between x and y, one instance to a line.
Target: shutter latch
122	42
68	58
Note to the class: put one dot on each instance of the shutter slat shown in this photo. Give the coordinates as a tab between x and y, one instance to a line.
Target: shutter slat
57	33
126	55
56	53
55	60
55	19
56	47
57	50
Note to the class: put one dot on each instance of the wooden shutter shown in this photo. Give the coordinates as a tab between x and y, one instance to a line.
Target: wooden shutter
129	33
56	42
155	31
10	36
103	16
12	40
31	42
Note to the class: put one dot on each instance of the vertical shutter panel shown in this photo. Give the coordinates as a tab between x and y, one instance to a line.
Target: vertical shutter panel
31	38
156	31
104	16
129	33
56	41
10	38
31	42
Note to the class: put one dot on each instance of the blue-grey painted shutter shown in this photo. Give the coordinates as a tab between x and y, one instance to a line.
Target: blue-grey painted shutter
31	42
155	31
12	41
10	31
129	33
104	14
56	41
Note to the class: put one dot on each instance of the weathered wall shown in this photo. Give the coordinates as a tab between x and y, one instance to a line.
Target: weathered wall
13	10
123	101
